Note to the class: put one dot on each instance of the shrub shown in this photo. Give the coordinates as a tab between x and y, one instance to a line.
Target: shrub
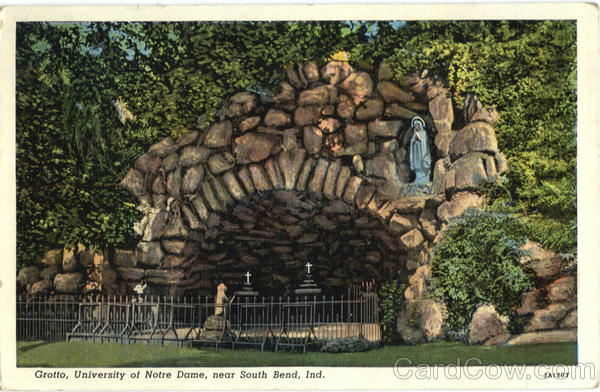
391	299
477	262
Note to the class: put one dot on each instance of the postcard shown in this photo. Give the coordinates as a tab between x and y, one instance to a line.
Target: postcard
300	197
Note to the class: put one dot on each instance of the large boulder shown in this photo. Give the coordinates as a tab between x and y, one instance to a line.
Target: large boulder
563	289
486	323
543	263
68	283
420	320
474	137
475	111
457	206
28	275
467	173
554	336
549	317
441	112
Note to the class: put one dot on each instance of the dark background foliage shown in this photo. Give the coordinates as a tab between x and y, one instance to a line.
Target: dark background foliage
72	146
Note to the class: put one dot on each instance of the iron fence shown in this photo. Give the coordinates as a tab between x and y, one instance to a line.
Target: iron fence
259	322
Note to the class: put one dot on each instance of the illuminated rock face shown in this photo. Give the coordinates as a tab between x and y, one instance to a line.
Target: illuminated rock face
317	172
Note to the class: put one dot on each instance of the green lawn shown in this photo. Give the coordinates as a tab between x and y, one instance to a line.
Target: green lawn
81	354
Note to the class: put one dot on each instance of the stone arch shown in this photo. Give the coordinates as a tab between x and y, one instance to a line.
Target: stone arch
331	137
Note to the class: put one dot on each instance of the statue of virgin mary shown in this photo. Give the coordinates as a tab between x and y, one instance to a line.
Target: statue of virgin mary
419	156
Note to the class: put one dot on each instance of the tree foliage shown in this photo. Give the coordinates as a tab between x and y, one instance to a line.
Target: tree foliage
73	145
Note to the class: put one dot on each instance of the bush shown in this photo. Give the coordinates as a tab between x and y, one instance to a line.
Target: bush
391	300
477	262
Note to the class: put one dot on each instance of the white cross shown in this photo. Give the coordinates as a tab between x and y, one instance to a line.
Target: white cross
248	275
308	265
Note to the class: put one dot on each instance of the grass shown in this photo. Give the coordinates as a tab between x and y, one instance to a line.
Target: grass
83	354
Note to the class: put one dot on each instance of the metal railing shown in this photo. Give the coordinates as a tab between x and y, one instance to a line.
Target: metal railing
275	322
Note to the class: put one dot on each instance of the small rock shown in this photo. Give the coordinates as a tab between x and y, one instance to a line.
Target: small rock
252	147
475	111
498	340
28	275
192	178
329	125
318	96
358	85
396	111
191	155
469	171
147	163
358	163
133	182
413	239
345	107
313	138
384	128
68	283
170	162
370	109
277	118
49	273
249	123
287	93
311	71
150	253
163	147
174	183
52	257
219	135
530	302
385	71
307	115
400	224
125	258
219	163
246	99
233	110
392	93
443	141
42	287
69	261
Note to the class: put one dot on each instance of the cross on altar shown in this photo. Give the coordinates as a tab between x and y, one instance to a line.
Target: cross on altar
308	265
248	275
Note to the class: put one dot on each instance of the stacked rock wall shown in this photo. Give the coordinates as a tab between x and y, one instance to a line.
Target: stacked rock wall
331	135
